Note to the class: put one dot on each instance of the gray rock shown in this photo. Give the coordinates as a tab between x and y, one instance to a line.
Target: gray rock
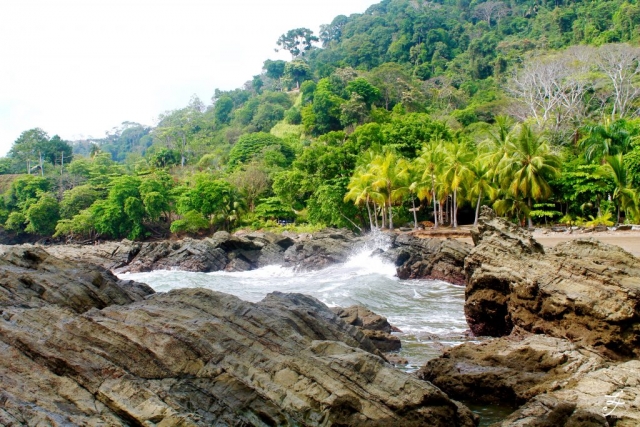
583	289
79	348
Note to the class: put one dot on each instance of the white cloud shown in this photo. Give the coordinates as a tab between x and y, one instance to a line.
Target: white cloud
79	68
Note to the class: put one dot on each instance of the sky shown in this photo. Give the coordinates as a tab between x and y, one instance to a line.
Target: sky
79	68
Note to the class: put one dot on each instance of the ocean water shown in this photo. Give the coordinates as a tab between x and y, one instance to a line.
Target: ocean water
428	312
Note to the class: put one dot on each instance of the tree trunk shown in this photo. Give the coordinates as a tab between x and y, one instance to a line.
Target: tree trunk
435	209
390	215
375	213
415	215
529	221
369	212
454	209
475	223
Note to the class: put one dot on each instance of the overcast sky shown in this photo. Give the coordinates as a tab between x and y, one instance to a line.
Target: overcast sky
78	68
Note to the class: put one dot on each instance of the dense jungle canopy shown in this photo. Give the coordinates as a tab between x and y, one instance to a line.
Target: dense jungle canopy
411	111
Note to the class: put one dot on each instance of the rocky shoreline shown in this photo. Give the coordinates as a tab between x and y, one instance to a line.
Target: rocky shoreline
101	351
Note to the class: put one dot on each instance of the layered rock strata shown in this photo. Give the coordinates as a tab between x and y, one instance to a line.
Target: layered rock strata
583	290
86	349
428	258
557	383
372	325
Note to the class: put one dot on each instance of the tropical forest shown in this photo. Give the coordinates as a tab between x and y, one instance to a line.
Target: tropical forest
412	112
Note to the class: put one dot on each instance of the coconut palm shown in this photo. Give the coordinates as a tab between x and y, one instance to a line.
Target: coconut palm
412	184
360	190
458	155
387	179
609	138
624	196
480	183
528	167
430	162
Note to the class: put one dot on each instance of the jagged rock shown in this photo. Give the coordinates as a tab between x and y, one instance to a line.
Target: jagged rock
428	258
606	397
583	290
372	325
556	382
509	370
79	348
324	248
187	255
30	277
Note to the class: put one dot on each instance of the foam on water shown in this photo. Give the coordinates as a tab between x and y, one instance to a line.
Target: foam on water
429	312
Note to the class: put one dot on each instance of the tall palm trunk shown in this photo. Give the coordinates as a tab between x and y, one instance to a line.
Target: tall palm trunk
475	222
529	221
390	210
375	213
415	215
435	209
455	208
369	213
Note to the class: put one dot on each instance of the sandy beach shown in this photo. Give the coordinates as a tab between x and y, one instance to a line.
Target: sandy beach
628	240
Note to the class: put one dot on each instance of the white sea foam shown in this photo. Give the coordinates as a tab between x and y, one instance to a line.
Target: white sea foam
422	309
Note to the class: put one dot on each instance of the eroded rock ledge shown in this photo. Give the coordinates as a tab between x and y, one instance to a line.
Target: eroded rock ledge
582	290
87	349
569	322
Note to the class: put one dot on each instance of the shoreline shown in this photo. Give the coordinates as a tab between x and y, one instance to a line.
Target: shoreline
627	240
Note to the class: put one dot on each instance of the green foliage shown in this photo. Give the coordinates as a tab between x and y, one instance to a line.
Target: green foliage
42	216
192	222
26	189
272	208
15	222
250	146
327	206
605	218
77	199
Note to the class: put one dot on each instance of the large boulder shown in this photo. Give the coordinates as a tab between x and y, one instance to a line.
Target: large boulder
85	349
322	249
582	290
428	258
372	325
30	277
606	397
509	370
555	382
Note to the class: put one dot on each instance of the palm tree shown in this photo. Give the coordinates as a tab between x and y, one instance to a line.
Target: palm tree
387	179
360	190
411	177
528	166
480	183
430	162
625	197
458	155
606	139
495	147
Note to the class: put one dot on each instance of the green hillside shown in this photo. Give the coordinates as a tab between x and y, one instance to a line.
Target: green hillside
410	111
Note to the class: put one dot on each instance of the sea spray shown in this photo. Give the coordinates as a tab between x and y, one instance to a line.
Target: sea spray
429	313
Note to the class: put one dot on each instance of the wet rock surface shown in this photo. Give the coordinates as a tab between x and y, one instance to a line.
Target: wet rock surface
582	290
79	350
372	325
428	258
324	248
